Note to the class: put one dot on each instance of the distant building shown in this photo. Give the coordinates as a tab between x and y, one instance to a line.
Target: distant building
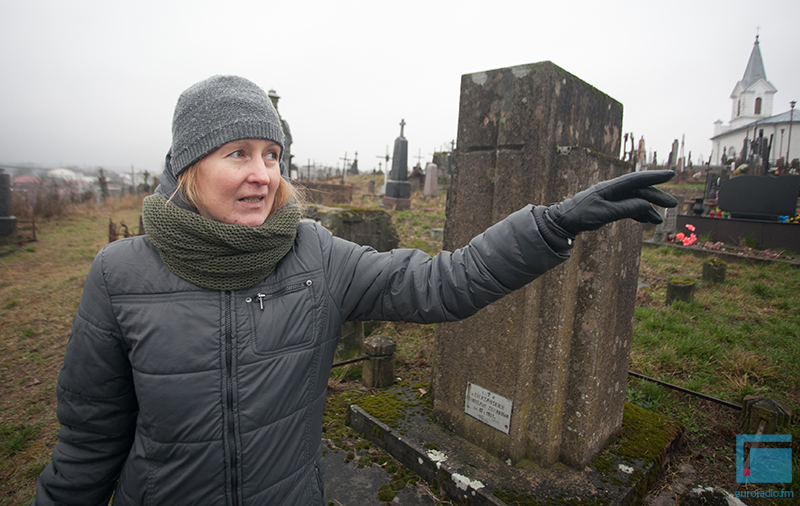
752	119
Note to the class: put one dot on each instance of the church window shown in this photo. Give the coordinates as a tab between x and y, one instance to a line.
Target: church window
758	105
739	108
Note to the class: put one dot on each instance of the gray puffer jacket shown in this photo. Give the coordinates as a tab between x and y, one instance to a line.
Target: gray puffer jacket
172	394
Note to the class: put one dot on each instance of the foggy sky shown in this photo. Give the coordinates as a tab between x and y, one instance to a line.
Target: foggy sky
94	83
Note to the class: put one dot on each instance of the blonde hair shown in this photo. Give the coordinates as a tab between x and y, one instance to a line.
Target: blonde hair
190	192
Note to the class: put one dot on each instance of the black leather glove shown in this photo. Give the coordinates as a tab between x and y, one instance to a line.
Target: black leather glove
627	196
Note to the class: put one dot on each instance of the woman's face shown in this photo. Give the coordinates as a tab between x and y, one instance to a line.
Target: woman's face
237	182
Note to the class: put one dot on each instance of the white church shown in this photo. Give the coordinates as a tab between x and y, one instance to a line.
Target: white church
751	118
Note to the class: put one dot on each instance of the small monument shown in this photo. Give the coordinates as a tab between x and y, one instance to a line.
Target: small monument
417	178
539	375
668	226
398	189
8	222
431	180
286	156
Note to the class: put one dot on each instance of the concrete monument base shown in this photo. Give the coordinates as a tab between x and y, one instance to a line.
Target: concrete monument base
395	203
8	225
469	475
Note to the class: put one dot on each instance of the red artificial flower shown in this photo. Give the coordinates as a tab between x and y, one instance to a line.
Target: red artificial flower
690	227
679	236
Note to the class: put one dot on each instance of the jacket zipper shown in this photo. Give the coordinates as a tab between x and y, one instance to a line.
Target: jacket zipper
261	297
229	397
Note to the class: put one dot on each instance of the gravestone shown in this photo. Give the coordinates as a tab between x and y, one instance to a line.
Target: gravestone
286	155
759	197
668	226
431	180
8	222
416	179
547	363
444	164
398	189
713	181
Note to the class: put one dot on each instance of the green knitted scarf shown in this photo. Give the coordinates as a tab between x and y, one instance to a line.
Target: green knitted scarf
215	255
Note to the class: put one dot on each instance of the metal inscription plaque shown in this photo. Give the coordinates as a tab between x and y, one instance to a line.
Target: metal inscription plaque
488	407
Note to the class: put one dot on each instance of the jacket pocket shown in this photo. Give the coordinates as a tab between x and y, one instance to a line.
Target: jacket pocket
284	319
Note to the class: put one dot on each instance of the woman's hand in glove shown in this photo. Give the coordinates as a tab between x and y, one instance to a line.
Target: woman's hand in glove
628	196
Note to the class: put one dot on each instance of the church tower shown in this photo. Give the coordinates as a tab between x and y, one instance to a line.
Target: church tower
752	96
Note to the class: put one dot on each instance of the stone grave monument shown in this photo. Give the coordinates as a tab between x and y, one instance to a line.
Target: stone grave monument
668	226
431	180
541	374
286	155
398	189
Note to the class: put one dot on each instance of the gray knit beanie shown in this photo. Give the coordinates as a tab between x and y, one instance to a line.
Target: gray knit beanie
218	110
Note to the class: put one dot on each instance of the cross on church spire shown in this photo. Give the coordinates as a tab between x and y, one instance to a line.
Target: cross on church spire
402	125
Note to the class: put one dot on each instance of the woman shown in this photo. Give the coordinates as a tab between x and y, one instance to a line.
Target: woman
197	366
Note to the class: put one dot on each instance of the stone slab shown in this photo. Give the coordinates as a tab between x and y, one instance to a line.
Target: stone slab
349	485
469	475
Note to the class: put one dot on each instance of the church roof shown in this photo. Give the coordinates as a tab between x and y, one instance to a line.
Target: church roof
783	117
755	67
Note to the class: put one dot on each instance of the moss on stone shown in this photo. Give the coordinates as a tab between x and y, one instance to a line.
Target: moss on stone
385	493
643	439
681	281
388	408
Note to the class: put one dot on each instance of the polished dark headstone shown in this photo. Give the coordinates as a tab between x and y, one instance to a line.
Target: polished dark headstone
759	197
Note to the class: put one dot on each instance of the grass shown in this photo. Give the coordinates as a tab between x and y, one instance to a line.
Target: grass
745	331
737	338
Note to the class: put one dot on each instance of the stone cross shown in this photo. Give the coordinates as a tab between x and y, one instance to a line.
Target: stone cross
553	356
